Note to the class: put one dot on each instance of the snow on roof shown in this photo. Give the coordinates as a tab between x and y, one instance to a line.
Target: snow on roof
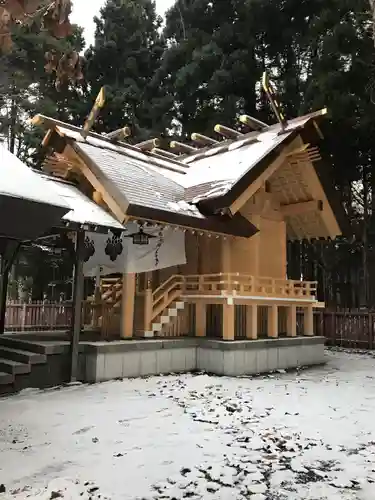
218	169
131	151
232	164
17	180
83	210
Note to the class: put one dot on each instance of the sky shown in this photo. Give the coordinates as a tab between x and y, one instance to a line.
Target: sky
84	11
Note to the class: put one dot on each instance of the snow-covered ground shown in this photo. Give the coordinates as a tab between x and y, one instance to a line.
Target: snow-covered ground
308	435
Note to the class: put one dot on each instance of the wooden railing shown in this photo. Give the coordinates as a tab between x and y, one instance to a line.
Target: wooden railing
156	302
38	316
247	285
111	289
243	284
163	296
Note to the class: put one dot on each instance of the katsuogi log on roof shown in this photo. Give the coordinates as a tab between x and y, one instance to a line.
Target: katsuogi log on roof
208	188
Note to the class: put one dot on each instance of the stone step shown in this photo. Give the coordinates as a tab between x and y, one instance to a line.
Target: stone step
6	378
22	356
14	367
25	345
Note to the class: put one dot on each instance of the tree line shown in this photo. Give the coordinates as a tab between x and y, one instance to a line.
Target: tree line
202	65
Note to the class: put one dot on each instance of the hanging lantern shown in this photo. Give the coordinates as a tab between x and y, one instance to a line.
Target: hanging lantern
140	238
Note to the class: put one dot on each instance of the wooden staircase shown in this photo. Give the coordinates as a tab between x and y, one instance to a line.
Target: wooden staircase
111	291
164	307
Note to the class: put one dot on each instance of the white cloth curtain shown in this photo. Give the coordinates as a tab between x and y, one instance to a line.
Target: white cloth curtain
108	254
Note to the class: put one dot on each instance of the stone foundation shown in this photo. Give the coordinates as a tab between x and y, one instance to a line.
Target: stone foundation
103	361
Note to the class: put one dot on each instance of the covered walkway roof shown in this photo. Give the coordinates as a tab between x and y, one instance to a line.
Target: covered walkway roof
28	206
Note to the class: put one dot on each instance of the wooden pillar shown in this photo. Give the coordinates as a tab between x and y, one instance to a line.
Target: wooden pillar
147	313
78	295
292	321
127	305
97	305
200	319
228	306
252	322
273	324
228	321
309	321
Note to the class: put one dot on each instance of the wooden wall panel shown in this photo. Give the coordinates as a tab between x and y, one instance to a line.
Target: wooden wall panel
272	255
245	252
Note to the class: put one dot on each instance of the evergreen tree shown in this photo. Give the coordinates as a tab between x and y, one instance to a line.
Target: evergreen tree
319	53
28	89
212	64
126	59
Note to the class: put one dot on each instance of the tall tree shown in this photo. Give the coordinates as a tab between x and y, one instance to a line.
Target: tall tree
44	16
28	89
126	59
320	53
212	64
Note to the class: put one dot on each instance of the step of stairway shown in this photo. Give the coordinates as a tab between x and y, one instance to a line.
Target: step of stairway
6	378
28	345
22	356
14	367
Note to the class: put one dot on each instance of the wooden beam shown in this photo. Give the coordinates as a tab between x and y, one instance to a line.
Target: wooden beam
253	123
127	305
292	321
273	323
252	322
120	134
149	144
228	133
147	310
47	137
200	319
309	321
301	208
97	185
94	113
182	148
259	183
203	140
318	130
162	152
228	321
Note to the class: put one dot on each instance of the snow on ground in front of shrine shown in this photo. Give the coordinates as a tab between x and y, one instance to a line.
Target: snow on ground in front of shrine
304	435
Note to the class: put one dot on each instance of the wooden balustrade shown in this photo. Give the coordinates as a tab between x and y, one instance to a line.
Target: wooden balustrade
242	284
222	284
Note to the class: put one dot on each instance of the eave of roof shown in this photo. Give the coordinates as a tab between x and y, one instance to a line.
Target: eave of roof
166	207
224	224
84	212
206	204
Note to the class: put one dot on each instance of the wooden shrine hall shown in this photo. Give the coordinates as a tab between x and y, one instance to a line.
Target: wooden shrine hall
237	198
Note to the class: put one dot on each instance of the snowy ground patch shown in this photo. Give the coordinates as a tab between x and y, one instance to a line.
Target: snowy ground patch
308	435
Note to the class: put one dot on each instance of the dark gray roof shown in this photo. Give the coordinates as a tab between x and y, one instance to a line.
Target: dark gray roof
147	192
138	183
192	190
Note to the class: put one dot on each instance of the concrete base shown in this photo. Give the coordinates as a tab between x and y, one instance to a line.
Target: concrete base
103	361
